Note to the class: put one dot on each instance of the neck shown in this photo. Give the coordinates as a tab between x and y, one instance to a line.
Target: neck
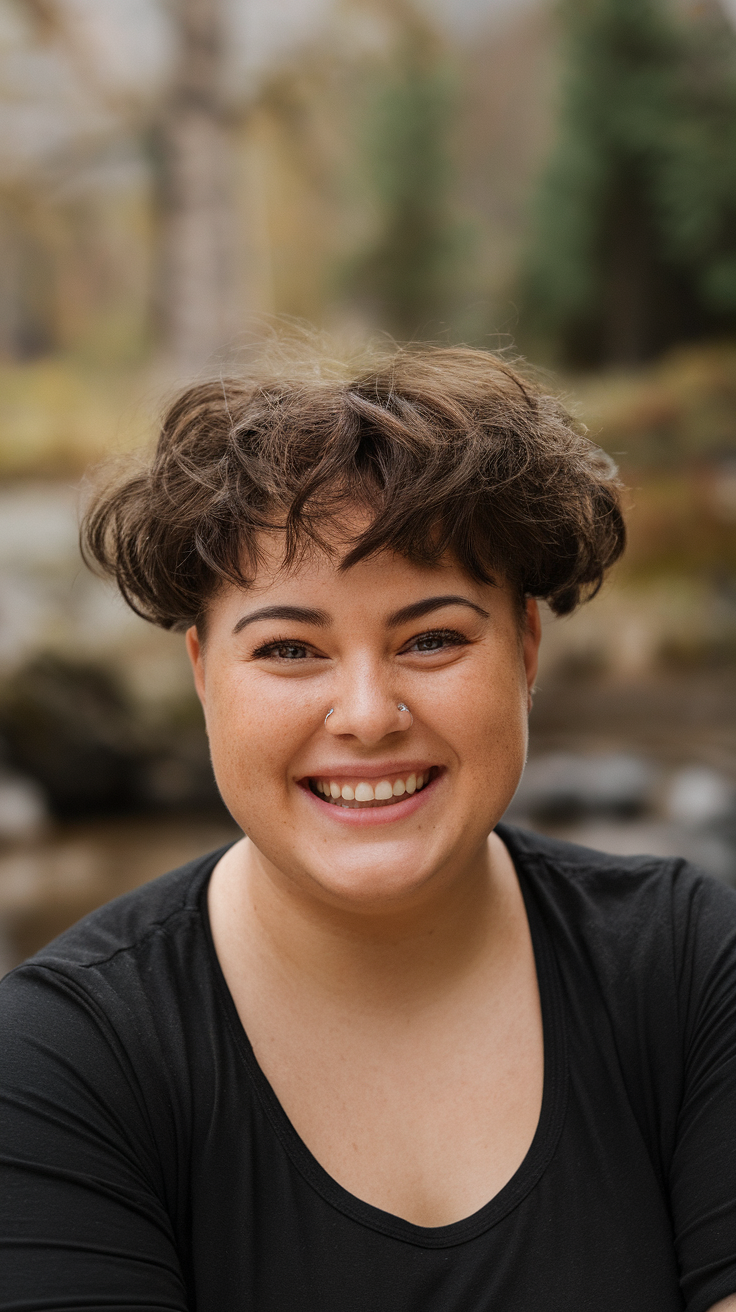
372	958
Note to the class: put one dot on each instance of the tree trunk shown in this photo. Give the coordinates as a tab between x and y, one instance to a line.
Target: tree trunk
198	283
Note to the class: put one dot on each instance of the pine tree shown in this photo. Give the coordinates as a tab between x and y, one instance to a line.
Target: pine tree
634	239
408	275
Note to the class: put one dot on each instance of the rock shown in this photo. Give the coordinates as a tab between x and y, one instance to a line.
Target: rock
711	851
698	795
68	726
24	811
561	786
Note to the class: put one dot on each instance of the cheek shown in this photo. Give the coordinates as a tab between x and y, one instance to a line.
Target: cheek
254	731
486	716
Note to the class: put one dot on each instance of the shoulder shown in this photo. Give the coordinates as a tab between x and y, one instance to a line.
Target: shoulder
99	1024
656	938
101	1080
113	973
126	924
647	896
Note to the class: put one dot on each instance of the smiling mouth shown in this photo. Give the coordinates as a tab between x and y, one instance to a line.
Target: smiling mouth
360	795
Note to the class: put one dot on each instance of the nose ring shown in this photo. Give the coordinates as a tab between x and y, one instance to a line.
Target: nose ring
400	706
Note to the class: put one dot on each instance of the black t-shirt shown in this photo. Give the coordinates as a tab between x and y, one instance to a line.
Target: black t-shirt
146	1163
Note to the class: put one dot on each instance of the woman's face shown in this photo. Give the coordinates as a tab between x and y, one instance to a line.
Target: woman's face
283	653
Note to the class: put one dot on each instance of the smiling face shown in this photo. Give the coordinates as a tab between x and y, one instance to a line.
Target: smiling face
371	805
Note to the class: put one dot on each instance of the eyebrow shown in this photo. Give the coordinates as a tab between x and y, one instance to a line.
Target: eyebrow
320	618
296	614
419	608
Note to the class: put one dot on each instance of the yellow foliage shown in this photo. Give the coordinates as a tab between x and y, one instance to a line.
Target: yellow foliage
679	409
57	417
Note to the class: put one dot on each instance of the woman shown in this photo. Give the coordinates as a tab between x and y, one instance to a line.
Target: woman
384	1052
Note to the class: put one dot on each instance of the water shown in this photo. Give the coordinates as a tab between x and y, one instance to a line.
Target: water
48	884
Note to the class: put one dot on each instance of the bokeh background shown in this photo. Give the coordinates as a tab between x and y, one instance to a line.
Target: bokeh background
179	179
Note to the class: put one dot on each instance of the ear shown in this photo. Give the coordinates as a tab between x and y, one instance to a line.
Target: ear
195	652
530	640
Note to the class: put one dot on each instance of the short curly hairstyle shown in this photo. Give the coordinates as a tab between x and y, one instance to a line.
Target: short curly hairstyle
448	450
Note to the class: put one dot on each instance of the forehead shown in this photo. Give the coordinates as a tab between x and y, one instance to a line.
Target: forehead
372	593
380	575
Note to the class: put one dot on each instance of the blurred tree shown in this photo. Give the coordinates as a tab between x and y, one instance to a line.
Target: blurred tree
409	274
189	130
634	242
26	276
193	147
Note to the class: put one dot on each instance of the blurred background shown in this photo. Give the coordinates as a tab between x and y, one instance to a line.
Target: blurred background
177	178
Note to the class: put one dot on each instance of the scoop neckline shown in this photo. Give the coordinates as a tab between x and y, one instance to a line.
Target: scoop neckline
551	1116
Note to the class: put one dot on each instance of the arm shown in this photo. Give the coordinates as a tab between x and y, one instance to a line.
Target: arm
725	1305
81	1211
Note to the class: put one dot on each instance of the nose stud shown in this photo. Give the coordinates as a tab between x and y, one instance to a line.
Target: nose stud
400	706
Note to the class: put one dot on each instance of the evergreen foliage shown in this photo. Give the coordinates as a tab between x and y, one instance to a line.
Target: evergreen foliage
408	275
634	243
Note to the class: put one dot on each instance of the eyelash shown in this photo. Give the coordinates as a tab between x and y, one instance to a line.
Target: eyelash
270	649
451	637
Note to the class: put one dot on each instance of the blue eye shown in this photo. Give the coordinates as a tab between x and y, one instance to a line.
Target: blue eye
282	651
437	640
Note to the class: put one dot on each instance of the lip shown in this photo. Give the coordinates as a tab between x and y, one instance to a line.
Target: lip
373	815
380	770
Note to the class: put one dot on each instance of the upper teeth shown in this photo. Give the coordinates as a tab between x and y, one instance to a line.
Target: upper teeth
365	792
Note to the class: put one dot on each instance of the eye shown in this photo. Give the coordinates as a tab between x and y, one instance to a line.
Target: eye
437	640
282	651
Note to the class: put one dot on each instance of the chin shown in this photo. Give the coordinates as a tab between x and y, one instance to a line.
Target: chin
370	893
372	884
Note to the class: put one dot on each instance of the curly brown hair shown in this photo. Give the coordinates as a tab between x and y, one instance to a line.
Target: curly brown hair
447	449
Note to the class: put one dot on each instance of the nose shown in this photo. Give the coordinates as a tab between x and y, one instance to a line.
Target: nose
365	709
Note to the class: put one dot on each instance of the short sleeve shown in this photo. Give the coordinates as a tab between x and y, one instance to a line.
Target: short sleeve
82	1219
703	1167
